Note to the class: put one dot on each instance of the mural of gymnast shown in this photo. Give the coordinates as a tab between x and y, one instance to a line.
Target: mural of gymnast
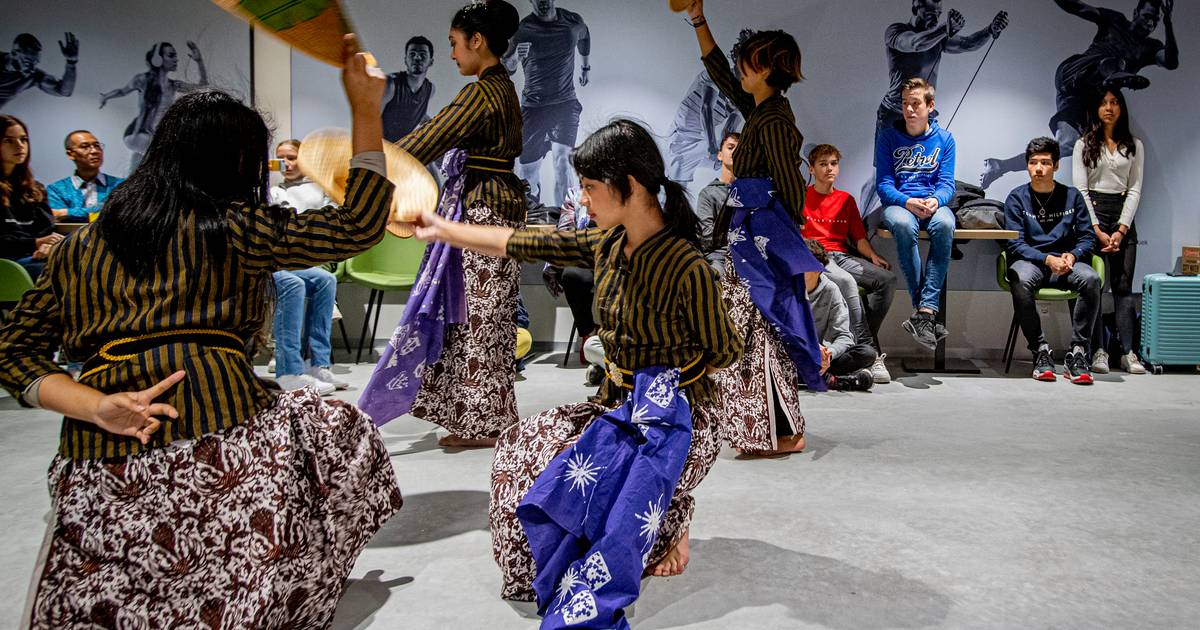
1120	50
157	92
19	68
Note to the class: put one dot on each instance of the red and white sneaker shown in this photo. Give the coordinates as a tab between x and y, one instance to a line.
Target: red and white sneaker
1075	368
1043	366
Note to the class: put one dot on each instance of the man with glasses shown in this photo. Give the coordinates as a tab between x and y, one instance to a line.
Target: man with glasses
80	196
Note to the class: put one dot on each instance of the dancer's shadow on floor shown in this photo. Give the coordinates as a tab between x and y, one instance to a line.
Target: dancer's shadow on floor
728	574
427	442
363	597
434	516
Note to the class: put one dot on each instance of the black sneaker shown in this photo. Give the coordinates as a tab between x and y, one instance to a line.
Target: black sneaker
1043	366
857	381
1075	368
921	327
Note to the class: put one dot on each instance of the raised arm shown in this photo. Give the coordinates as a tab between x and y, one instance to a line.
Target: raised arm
194	53
1082	10
903	40
975	41
66	85
1168	56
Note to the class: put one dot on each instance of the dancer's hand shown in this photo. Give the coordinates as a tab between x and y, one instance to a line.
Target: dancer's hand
430	227
1168	6
364	84
696	11
999	23
954	22
193	51
69	47
133	414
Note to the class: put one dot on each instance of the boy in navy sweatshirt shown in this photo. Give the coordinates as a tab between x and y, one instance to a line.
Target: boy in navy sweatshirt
914	174
1054	239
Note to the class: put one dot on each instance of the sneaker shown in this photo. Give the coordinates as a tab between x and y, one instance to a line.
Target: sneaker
1075	367
594	376
1131	364
921	327
1100	362
326	375
271	366
1043	365
857	381
293	382
879	371
939	331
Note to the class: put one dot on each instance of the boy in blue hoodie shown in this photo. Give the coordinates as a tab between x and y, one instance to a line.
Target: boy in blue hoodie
914	174
1054	239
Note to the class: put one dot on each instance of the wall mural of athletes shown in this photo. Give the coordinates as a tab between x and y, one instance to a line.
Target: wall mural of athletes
143	48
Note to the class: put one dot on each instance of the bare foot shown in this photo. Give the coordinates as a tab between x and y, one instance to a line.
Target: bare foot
675	561
791	444
455	441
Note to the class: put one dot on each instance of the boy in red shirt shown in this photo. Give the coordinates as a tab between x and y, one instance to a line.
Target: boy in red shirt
832	219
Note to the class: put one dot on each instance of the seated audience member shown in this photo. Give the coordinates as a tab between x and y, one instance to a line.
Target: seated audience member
575	284
1053	244
26	225
914	173
295	191
833	220
80	196
712	199
845	362
304	298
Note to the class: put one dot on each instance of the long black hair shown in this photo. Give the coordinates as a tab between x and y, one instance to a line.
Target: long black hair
1093	139
495	20
208	154
623	148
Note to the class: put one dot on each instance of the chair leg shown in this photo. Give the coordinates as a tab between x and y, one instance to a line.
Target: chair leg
1071	318
570	342
1010	347
362	337
345	337
375	326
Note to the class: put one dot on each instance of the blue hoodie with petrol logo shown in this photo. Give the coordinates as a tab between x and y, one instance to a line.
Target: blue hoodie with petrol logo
921	166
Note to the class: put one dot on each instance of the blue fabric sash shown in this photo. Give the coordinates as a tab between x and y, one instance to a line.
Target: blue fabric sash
592	517
437	300
770	255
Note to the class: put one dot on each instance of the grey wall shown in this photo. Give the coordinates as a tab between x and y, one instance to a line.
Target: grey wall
114	37
644	58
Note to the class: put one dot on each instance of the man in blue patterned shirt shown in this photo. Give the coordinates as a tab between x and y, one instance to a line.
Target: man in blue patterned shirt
83	193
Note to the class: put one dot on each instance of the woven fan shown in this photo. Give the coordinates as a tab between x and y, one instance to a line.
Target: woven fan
314	27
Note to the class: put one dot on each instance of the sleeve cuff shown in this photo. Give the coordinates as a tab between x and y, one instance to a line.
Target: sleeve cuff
373	161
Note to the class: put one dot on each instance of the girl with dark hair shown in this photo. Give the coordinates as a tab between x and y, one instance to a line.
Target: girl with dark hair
158	91
186	490
767	258
1106	167
461	376
664	326
26	223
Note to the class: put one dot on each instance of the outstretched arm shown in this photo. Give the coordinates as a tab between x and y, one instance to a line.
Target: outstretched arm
905	41
1082	10
66	85
135	84
489	240
975	41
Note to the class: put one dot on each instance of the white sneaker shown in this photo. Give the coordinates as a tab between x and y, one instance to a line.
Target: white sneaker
879	371
325	374
293	382
337	313
1100	362
271	366
1131	364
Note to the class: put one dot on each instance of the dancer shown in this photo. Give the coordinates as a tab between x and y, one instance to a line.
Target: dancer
157	92
467	387
545	44
186	491
659	307
1107	169
763	280
1119	51
19	68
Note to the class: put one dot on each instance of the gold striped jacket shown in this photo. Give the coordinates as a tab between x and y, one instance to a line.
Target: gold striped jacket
85	300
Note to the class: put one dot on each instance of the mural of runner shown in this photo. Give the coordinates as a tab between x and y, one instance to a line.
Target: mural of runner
406	99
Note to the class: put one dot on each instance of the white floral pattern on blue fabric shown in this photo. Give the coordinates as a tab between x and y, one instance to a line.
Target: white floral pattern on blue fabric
582	472
760	242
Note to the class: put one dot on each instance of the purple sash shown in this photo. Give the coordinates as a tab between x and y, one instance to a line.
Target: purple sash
592	517
437	300
770	255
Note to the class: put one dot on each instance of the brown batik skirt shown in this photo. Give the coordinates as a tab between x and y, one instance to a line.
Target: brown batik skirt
526	448
761	392
257	526
469	391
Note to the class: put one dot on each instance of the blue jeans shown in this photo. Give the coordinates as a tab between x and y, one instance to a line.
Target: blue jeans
923	287
293	321
33	267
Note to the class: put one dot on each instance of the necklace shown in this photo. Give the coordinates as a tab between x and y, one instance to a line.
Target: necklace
1041	212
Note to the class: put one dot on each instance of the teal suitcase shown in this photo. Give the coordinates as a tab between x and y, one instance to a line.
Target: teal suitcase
1170	320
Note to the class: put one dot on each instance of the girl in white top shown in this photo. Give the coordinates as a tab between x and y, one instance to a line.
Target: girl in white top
1107	169
295	191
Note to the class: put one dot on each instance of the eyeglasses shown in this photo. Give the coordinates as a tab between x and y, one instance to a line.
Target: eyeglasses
88	146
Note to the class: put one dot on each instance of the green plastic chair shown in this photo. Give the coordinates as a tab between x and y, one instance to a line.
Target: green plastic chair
392	265
14	282
1045	294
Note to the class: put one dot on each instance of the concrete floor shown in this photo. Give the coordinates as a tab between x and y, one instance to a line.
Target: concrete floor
932	502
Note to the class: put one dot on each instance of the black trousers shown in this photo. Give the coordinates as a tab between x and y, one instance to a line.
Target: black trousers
856	357
578	288
1119	271
1025	278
